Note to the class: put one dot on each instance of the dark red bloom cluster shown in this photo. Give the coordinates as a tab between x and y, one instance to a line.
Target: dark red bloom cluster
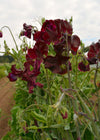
94	51
53	31
56	32
93	55
57	64
27	74
40	49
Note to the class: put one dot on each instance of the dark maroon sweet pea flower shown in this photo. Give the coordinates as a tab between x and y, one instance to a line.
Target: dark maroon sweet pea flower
12	77
42	36
59	47
94	51
29	73
40	49
49	25
57	64
55	28
75	43
92	60
64	116
32	84
26	33
27	27
37	64
1	34
14	73
17	72
63	26
27	30
39	85
32	53
67	27
83	66
31	70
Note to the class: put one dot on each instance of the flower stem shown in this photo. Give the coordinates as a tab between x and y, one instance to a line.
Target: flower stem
48	86
87	110
11	35
70	86
95	76
76	71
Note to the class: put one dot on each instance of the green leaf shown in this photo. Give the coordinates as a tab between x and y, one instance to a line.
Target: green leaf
38	117
54	136
88	135
14	121
43	20
15	54
45	136
69	135
25	138
50	115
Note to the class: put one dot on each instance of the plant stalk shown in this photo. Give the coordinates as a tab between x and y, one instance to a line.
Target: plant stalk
48	86
94	126
70	86
11	35
98	96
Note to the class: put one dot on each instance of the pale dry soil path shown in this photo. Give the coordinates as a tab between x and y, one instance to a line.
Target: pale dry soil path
7	90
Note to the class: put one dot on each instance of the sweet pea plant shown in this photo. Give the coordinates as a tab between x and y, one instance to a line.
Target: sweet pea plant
54	83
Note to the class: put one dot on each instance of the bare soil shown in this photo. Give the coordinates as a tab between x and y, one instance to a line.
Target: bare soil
7	90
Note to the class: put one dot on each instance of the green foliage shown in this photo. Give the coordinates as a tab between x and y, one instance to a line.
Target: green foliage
6	59
2	71
61	110
88	135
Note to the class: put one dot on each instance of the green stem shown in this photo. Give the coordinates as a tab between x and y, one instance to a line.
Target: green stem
89	104
48	87
87	110
57	105
11	35
74	102
76	72
18	58
86	78
32	93
95	76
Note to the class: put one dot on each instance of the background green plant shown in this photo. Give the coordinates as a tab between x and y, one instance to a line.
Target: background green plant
2	71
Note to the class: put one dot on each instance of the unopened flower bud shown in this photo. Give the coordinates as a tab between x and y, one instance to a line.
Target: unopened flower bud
1	34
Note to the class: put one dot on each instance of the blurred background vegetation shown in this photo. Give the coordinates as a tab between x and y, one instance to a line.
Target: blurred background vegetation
4	61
